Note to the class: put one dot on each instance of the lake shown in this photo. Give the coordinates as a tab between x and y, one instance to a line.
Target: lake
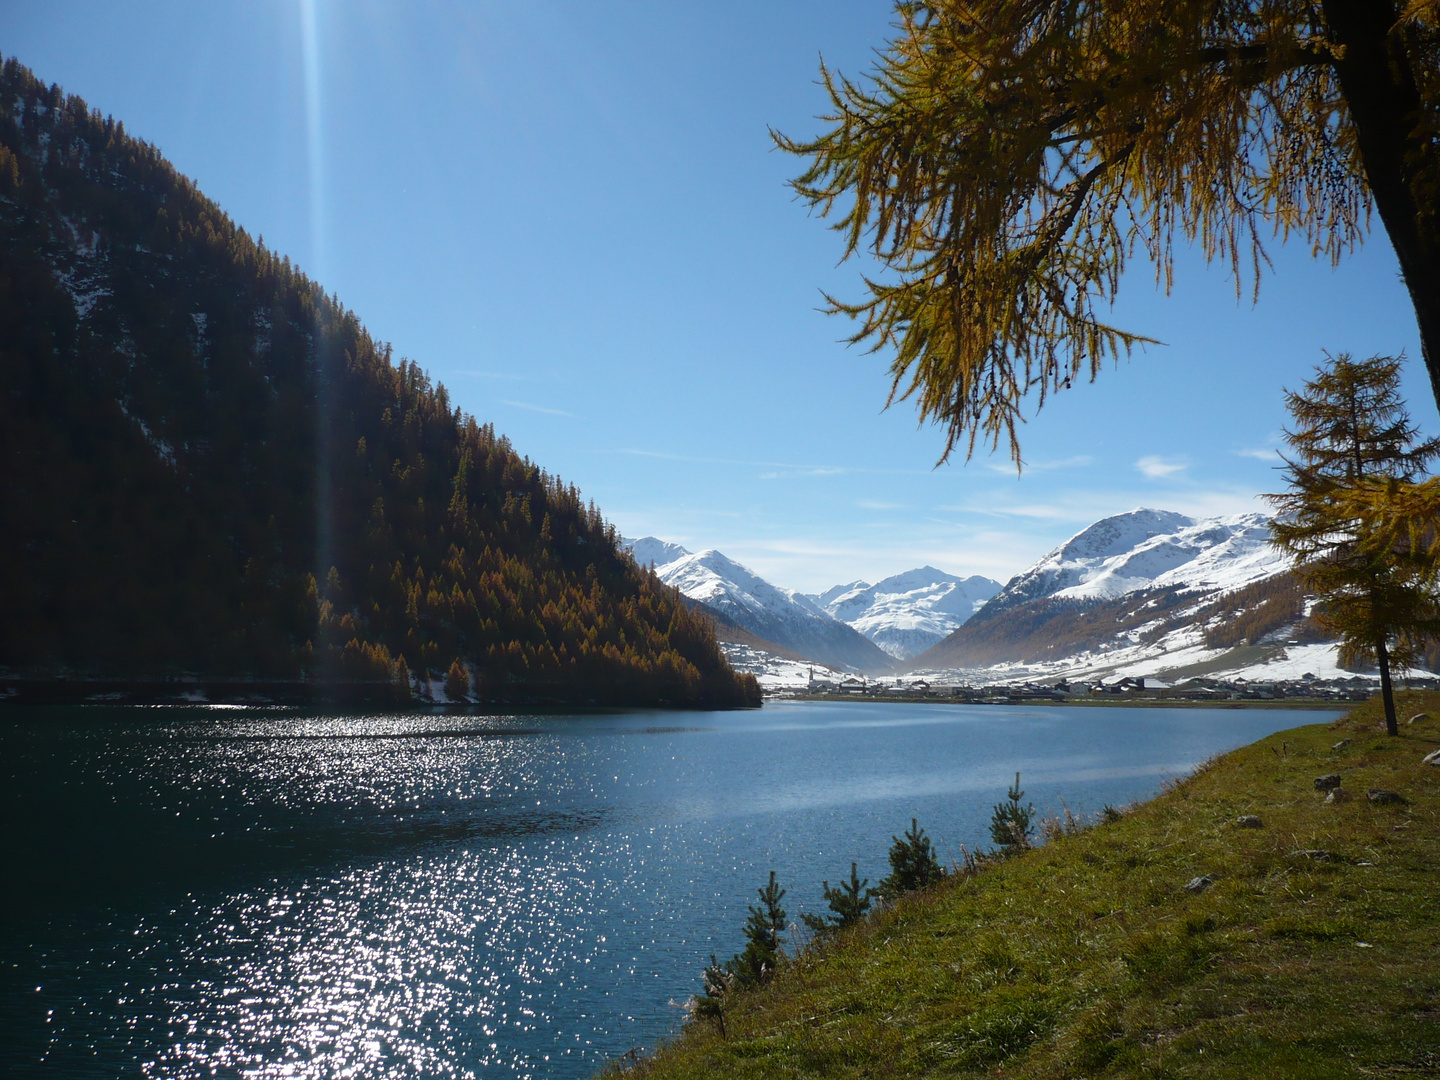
206	892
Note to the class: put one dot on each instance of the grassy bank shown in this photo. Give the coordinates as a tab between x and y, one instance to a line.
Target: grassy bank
1315	953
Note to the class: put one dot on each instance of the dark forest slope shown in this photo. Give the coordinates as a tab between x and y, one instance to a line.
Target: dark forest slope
207	466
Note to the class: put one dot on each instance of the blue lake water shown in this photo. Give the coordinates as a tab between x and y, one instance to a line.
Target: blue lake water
273	893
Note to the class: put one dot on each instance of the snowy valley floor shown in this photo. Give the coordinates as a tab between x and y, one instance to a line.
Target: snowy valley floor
1278	662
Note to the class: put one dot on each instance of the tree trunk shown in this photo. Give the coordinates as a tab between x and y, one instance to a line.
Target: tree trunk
1387	693
1400	155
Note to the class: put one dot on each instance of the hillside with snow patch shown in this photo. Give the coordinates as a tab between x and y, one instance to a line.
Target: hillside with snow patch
1145	588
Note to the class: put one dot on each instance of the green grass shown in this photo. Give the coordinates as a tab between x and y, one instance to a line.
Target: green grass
1087	958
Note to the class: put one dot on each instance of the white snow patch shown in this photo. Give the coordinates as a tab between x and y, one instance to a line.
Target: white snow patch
163	448
774	672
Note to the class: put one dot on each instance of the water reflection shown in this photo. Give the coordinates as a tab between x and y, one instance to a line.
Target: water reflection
268	894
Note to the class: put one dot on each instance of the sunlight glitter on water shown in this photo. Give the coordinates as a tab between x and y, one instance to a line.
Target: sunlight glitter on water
432	896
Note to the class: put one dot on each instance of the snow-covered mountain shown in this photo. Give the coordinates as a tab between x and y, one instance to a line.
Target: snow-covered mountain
907	613
648	551
783	616
1148	549
1149	580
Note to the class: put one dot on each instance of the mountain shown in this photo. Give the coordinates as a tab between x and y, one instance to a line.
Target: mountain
908	613
209	468
1143	578
648	551
783	616
1147	549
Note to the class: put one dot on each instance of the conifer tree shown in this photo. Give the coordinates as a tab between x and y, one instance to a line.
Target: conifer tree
1351	431
717	981
849	902
457	681
1011	825
913	864
1007	158
764	938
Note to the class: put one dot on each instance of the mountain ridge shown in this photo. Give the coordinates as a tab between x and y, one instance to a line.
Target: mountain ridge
909	612
1142	578
783	616
211	469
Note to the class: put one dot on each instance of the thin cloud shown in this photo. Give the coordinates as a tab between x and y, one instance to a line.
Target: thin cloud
1042	511
537	408
1076	462
1157	468
783	468
1261	453
872	504
501	376
793	474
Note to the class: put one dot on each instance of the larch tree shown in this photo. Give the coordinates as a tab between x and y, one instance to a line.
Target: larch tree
1006	158
1351	433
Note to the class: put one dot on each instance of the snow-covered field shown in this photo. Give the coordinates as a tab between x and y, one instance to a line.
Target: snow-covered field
1279	662
775	672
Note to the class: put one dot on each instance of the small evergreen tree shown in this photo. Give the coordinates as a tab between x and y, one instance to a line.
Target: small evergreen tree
764	938
849	903
913	864
1352	431
457	682
717	980
1012	825
400	678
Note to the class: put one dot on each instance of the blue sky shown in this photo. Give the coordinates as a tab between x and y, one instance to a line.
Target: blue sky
570	213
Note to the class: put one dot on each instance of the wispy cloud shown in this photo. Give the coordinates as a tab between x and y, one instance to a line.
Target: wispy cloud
1157	468
536	408
794	473
779	468
872	504
1043	511
1077	462
1268	454
498	376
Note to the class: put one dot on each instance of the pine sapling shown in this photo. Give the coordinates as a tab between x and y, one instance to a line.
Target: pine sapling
717	980
764	938
849	903
913	864
1012	825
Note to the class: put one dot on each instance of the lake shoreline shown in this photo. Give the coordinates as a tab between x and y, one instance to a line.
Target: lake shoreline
1117	701
409	878
1219	929
296	693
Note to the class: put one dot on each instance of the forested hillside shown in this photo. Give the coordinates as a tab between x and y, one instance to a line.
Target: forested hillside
207	466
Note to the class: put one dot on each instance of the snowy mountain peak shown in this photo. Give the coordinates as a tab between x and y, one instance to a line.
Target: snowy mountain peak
907	613
836	591
774	614
1118	534
650	551
1147	549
